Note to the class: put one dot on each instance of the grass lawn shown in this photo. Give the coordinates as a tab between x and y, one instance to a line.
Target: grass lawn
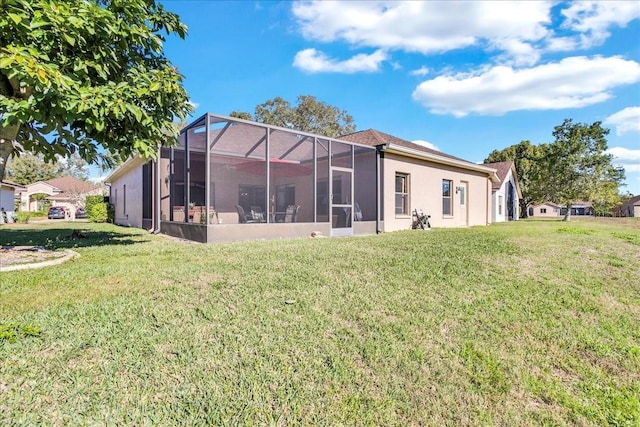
526	323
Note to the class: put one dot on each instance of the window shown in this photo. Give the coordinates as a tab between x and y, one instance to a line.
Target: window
402	194
446	197
499	205
543	210
285	196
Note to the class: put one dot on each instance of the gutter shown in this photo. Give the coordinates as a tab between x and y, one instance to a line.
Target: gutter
422	155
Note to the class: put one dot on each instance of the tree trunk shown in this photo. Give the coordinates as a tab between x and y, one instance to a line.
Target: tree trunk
524	209
7	137
567	214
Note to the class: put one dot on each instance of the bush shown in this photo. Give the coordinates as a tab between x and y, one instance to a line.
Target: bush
98	213
90	201
23	217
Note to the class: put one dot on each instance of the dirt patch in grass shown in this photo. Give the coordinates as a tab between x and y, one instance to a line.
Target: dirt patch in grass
17	255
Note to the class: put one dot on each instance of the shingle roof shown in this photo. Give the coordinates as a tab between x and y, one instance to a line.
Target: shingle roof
71	184
374	137
633	201
502	170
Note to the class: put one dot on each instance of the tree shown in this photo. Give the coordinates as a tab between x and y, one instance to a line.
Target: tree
30	168
75	166
241	115
577	166
87	76
309	115
527	159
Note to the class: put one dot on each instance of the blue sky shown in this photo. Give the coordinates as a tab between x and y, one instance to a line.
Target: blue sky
466	77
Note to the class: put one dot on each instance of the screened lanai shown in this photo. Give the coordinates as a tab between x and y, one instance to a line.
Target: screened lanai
232	179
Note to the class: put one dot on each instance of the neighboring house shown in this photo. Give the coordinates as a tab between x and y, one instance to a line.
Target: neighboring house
579	208
545	210
7	200
505	194
66	191
629	208
550	209
232	179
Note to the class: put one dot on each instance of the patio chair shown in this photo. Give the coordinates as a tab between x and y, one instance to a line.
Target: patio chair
291	214
257	214
243	218
421	221
357	213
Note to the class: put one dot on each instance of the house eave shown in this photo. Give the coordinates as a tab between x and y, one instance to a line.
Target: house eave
421	155
127	166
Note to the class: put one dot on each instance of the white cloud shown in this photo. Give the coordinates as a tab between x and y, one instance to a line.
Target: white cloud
313	61
626	120
426	144
592	19
628	158
514	32
421	72
428	27
571	83
98	179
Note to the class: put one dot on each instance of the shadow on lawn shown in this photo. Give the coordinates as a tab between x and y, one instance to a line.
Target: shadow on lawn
65	238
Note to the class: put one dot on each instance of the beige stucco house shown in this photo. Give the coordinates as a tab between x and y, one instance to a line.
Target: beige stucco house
67	191
232	179
545	210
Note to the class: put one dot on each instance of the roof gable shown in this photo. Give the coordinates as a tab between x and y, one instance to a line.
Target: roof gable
502	168
71	184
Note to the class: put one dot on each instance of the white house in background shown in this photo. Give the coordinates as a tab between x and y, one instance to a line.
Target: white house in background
7	200
506	194
66	191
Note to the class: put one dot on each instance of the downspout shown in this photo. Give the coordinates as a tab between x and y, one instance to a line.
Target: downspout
488	201
156	194
379	157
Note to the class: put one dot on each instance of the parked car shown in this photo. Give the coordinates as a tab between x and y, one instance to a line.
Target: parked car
56	212
81	213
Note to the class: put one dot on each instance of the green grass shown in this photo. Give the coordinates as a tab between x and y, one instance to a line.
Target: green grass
527	323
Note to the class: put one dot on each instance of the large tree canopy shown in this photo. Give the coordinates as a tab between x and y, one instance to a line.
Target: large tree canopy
87	77
577	166
309	115
29	168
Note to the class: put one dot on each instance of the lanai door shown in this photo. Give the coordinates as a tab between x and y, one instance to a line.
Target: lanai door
341	202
